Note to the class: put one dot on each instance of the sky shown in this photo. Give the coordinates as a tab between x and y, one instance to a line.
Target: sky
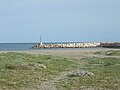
59	20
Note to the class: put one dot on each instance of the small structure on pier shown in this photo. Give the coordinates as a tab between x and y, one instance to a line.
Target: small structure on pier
41	40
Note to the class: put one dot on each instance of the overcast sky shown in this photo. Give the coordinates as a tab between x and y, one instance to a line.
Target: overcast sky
59	20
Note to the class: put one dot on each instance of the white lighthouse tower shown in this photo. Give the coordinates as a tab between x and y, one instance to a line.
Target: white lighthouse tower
41	40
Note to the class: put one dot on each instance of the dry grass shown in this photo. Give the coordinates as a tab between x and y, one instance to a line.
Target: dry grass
16	71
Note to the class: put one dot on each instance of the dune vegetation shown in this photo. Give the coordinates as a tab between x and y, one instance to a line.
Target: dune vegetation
109	53
106	76
21	71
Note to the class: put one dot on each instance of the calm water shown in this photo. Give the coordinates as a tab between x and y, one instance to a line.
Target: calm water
28	46
16	46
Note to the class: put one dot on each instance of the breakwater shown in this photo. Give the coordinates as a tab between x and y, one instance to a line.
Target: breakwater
80	45
69	45
110	44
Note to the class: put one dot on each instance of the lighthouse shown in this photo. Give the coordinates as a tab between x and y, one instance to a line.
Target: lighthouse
41	40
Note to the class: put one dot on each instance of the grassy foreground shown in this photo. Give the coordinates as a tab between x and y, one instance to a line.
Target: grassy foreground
107	76
20	70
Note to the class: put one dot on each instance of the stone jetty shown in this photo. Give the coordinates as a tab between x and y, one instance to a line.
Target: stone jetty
68	45
110	44
79	45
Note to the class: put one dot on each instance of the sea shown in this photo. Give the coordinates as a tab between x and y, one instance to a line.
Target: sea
28	46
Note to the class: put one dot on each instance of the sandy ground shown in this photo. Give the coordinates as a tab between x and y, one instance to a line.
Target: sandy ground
60	52
71	53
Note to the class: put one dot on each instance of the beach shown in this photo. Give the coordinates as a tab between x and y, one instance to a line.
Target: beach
58	52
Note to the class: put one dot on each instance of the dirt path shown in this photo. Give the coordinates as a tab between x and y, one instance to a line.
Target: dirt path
50	85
